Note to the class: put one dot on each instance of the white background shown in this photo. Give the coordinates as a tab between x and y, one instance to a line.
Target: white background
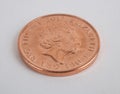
103	77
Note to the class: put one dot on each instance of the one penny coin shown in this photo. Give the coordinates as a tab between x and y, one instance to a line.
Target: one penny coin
58	44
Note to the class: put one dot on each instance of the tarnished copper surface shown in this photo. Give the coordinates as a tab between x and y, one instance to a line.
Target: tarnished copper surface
58	44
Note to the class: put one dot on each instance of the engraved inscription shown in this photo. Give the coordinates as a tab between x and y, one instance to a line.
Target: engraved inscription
25	39
26	49
92	42
28	53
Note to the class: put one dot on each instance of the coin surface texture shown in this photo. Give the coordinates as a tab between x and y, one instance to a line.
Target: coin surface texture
58	44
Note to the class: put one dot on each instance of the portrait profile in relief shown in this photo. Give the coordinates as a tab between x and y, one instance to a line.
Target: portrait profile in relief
59	44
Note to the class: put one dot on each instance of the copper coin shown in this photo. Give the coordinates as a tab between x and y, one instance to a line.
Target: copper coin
59	44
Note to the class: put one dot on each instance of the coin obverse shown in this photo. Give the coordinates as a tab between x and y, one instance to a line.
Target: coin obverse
58	44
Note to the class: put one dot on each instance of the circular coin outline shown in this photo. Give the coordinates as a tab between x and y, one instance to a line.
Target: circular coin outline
63	73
